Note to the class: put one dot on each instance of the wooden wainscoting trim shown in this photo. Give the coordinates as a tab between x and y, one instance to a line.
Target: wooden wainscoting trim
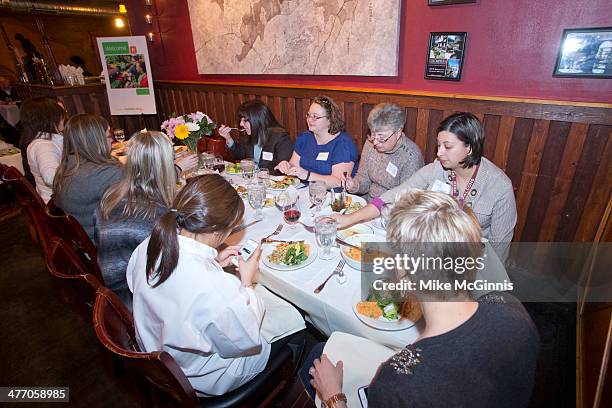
397	92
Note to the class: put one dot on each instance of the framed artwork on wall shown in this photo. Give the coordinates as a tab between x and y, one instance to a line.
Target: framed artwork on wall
445	56
585	53
446	2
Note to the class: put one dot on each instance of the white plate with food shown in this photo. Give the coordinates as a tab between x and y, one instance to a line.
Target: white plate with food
281	183
286	256
353	256
354	230
352	204
386	314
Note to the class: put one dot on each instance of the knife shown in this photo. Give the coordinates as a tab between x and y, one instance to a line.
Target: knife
244	226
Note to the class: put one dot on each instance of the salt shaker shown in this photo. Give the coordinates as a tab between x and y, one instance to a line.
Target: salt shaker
341	277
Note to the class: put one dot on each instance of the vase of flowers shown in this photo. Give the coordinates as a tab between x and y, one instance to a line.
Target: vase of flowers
189	128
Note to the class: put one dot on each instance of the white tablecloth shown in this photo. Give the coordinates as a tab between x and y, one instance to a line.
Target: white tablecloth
12	159
330	310
10	113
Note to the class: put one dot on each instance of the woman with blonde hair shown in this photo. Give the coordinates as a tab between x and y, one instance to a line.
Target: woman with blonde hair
481	353
86	168
130	207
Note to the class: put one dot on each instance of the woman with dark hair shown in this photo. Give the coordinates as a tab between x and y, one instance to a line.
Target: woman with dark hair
142	80
325	152
184	302
461	171
86	168
267	143
42	121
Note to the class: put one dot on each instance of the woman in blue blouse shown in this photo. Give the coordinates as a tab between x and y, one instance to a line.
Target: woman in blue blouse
325	151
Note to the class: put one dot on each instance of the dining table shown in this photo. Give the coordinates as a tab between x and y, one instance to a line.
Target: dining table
10	156
332	309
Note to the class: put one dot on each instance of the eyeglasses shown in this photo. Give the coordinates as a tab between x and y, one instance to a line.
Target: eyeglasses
381	139
314	116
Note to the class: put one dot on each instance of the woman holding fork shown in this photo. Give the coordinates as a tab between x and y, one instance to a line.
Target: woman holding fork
266	142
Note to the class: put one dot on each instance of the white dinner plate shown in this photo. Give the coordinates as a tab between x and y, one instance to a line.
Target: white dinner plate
354	230
268	248
381	323
377	223
296	183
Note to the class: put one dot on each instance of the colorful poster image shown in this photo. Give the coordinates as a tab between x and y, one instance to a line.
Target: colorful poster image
127	73
585	52
445	56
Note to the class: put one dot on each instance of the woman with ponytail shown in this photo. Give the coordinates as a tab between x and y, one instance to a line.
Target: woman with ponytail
185	304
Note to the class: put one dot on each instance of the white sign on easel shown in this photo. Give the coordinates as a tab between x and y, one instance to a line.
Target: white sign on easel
129	84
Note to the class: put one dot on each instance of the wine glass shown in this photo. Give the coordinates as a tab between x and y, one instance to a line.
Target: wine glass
257	198
291	213
338	196
204	160
219	164
119	135
263	175
325	231
317	191
247	166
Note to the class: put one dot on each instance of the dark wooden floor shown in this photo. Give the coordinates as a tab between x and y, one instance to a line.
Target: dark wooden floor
45	341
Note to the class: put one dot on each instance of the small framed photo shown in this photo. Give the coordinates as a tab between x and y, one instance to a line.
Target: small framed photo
445	2
585	53
445	56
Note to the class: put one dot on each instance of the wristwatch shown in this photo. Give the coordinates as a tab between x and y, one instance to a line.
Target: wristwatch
331	401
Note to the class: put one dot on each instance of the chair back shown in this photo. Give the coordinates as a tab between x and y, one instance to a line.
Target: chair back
31	203
63	263
65	226
114	327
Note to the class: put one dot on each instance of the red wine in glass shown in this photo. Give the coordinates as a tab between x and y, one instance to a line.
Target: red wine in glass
292	215
219	167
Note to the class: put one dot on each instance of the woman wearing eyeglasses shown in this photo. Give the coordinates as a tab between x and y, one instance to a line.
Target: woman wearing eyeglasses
461	171
389	157
325	151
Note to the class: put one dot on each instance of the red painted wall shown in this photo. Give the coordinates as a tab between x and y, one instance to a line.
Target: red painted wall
511	50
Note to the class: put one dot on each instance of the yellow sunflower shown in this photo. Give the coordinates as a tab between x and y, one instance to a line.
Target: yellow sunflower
181	131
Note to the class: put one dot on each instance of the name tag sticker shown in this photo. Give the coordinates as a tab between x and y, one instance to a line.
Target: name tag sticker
392	169
268	156
440	187
323	156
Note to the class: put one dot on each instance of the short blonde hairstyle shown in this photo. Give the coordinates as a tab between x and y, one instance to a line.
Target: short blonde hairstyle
435	225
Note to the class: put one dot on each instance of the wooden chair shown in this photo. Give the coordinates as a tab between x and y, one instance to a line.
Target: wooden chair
32	205
65	226
63	263
114	327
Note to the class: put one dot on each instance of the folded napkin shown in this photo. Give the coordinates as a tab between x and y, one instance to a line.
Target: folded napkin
281	319
361	358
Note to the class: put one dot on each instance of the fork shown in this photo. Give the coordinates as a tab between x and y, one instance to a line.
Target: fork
275	232
338	270
306	227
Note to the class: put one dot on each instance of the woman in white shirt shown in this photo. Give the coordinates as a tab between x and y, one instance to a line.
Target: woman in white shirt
185	304
43	122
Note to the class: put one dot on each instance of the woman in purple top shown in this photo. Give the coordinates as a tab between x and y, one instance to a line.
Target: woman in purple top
325	151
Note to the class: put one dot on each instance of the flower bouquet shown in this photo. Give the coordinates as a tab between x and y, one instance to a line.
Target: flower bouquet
189	128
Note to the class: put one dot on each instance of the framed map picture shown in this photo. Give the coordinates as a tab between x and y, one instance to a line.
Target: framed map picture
445	56
585	52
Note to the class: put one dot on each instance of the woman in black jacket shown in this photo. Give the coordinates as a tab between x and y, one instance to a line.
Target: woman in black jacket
265	140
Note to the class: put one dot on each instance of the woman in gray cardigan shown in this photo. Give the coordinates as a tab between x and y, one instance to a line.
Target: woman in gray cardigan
130	208
461	171
86	168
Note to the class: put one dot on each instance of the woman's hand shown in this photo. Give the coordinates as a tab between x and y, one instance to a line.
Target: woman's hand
224	132
298	172
283	167
326	377
249	270
224	258
186	161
